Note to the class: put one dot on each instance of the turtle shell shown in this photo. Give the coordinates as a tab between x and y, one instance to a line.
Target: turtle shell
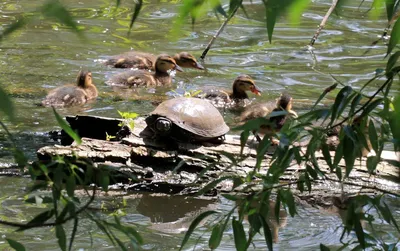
195	115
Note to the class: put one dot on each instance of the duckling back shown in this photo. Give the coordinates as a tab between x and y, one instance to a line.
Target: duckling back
133	59
138	78
68	95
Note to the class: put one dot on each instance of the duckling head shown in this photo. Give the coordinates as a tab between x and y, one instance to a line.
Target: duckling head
187	60
285	103
84	78
245	83
165	63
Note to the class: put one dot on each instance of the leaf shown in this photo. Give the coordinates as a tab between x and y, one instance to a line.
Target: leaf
296	10
322	247
389	8
300	183
243	140
312	172
216	236
18	24
70	185
359	232
267	232
392	61
340	100
213	184
233	5
194	224
289	200
6	105
373	136
231	197
239	235
326	154
138	7
38	219
349	154
372	162
60	234
326	91
104	181
307	181
61	122
394	37
254	221
54	9
15	245
355	103
371	106
221	11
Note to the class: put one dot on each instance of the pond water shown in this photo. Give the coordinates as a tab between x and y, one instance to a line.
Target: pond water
45	55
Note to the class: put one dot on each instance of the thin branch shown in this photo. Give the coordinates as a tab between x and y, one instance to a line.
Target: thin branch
218	32
323	22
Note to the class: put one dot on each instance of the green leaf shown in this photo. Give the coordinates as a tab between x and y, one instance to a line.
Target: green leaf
61	122
239	235
359	232
138	7
70	185
326	91
213	184
307	181
326	154
289	201
356	101
104	181
392	61
373	136
216	236
371	107
243	140
254	221
15	245
231	197
349	154
322	247
300	183
194	224
296	10
38	219
6	105
340	101
54	9
394	37
18	24
267	233
233	5
372	162
60	234
389	8
312	172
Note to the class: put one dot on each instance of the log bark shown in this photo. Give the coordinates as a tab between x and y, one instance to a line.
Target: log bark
155	164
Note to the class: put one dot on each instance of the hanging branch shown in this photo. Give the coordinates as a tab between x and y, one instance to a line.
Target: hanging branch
218	32
323	22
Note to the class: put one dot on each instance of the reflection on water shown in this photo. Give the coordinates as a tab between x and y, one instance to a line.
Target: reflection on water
45	55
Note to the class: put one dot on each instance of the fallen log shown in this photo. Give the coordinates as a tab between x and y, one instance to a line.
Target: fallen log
176	170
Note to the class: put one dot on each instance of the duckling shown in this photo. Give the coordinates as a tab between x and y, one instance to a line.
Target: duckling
284	103
73	94
145	61
241	84
139	78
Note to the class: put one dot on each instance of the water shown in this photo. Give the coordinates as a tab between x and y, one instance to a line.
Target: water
45	55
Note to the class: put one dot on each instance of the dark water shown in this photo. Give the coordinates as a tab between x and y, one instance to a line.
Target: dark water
45	55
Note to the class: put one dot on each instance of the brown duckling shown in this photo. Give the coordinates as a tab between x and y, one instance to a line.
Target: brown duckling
142	78
241	84
73	94
142	60
284	103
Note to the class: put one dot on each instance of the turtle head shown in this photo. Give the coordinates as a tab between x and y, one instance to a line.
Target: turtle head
162	125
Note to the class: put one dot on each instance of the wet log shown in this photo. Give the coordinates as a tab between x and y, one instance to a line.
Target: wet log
174	168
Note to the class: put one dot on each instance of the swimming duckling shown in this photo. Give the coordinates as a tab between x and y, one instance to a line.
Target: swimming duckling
284	103
73	94
141	78
241	84
145	61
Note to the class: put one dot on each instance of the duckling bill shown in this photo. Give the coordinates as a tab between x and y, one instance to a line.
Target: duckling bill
143	78
73	94
146	61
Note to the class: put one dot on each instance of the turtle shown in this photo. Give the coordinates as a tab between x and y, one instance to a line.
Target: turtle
187	119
